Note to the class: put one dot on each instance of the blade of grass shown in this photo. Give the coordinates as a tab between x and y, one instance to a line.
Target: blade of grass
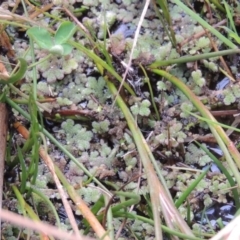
151	91
47	201
23	169
19	74
188	191
229	16
34	130
166	20
218	4
212	122
194	58
3	143
26	208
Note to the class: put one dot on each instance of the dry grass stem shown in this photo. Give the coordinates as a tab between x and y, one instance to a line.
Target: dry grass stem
38	226
63	195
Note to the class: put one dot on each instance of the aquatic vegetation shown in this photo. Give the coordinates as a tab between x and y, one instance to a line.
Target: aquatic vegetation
104	145
77	137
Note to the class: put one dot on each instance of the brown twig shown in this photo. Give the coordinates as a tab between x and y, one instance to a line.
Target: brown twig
3	136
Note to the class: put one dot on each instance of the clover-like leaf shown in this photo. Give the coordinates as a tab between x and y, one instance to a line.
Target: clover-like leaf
41	36
67	49
64	32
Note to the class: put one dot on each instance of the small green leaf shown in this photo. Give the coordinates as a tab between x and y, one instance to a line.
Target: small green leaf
64	32
41	36
67	49
19	74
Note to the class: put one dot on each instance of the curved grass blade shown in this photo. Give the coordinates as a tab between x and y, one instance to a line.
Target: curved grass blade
46	199
19	74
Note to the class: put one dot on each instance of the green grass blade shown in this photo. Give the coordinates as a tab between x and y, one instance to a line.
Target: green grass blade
230	17
188	191
98	61
212	122
24	174
218	5
19	74
194	58
47	201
